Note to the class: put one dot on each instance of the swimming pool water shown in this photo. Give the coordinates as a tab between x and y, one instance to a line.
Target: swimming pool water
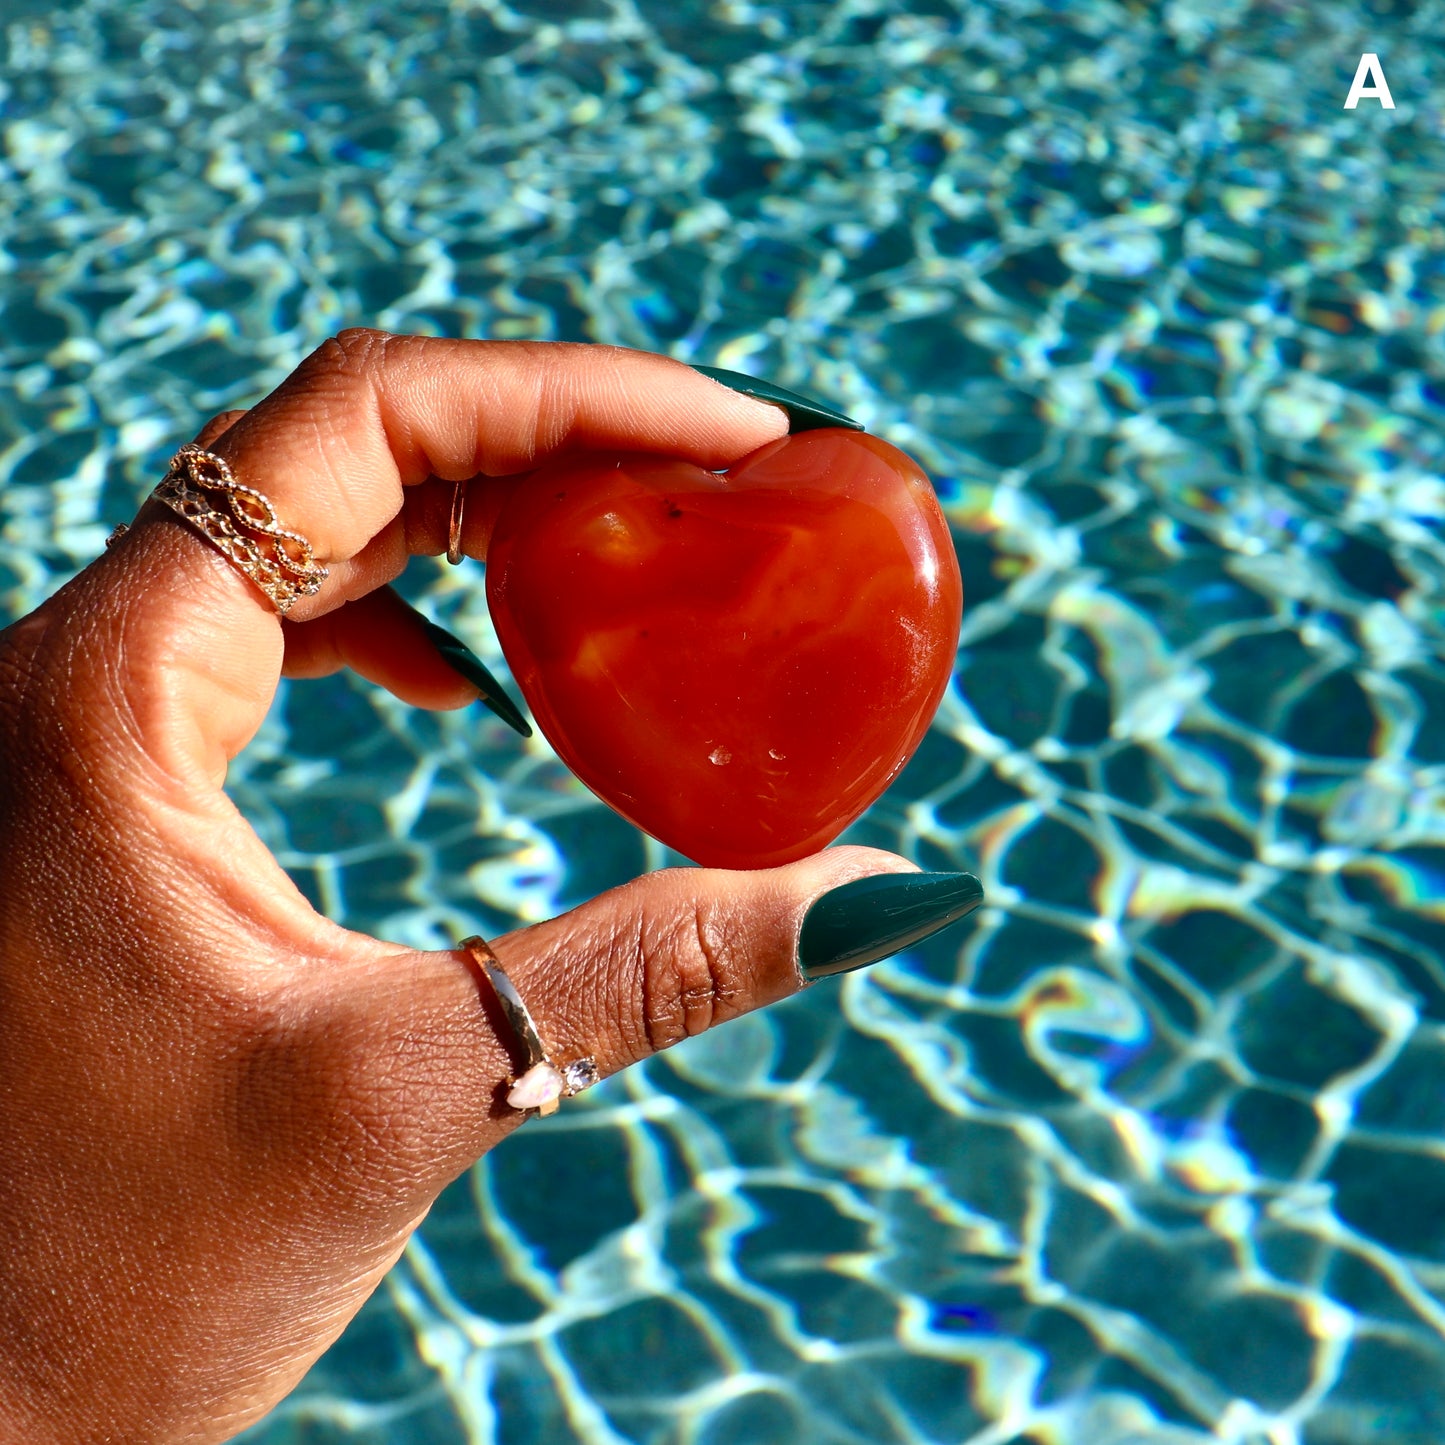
1148	1153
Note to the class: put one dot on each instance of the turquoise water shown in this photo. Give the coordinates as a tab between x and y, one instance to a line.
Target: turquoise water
1148	1153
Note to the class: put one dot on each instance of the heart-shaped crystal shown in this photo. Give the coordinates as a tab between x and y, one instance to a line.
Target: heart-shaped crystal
738	663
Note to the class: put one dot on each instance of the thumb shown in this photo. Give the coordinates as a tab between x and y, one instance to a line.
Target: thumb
424	1055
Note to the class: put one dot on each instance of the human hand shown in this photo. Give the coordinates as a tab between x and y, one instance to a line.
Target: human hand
221	1114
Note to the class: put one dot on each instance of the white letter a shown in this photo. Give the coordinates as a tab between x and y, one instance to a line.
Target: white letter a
1379	90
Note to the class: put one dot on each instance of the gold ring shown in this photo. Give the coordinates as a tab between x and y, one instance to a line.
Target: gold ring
542	1085
454	526
241	524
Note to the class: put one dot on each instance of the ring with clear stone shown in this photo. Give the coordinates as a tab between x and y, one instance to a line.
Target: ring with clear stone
543	1084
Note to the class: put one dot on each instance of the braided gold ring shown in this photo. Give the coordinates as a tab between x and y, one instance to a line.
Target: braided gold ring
241	524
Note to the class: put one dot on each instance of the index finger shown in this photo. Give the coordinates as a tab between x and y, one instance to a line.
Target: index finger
369	413
332	450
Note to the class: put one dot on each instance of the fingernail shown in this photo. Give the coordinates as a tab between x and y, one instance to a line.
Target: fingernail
804	414
869	918
461	659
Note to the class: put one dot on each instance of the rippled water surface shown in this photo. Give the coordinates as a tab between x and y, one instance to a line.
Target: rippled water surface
1151	1151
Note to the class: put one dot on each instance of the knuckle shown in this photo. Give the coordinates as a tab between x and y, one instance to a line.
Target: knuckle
692	973
360	343
217	426
347	353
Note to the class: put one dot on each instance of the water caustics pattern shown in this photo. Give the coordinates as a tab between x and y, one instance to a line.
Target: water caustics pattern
1153	1151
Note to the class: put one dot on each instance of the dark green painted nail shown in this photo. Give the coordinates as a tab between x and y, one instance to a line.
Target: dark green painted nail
804	414
461	659
869	918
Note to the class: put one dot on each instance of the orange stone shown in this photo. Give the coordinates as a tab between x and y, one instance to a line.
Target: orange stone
739	663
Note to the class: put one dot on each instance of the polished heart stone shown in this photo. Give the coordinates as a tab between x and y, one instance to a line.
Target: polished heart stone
739	663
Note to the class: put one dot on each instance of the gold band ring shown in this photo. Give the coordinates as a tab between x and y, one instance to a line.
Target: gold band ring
454	525
543	1084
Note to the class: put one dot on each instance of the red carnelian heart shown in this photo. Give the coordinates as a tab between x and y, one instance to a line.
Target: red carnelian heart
739	663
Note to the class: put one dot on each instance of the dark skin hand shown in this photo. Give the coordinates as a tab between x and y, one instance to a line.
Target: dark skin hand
221	1114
